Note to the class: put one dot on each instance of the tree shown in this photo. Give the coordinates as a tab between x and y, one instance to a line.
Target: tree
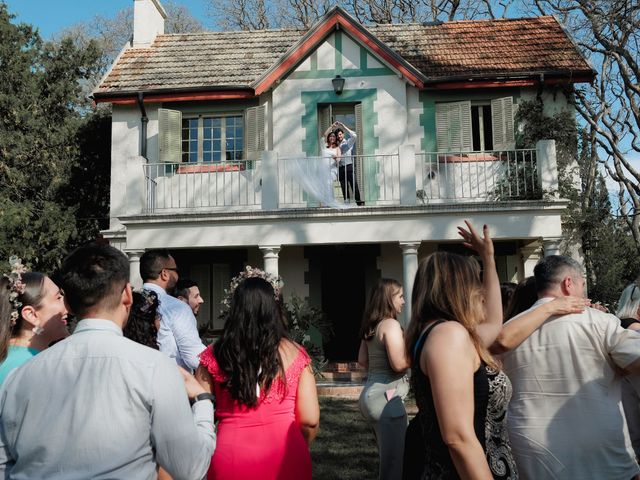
40	116
608	32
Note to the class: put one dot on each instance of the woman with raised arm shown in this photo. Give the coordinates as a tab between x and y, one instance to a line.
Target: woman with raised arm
382	353
32	316
266	400
462	396
331	151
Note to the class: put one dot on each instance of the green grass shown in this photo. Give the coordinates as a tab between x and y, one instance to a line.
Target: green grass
345	448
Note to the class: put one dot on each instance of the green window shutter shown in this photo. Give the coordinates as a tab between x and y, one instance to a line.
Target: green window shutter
453	127
359	130
169	135
255	131
502	123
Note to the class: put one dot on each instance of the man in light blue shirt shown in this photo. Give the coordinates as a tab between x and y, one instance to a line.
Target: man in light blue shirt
98	405
178	335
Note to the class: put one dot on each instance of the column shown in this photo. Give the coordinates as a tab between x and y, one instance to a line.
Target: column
134	267
551	246
529	256
270	254
409	269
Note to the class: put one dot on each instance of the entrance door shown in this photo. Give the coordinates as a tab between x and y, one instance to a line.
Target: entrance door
343	274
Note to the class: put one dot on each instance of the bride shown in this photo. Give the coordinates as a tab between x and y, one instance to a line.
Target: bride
331	150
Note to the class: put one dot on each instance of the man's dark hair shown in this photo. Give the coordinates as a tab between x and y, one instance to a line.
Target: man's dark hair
551	270
152	262
183	286
94	276
338	130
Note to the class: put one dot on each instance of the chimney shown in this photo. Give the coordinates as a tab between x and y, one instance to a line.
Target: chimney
148	21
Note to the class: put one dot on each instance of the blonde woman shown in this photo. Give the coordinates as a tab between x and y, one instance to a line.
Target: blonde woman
462	396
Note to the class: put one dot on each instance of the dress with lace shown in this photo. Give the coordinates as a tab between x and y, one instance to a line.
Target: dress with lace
426	455
264	442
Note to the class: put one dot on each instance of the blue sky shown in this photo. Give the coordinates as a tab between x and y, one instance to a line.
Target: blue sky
51	16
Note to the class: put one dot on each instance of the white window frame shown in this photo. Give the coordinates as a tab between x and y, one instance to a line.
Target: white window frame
223	140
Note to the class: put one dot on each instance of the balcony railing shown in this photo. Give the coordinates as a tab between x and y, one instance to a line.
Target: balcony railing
405	178
201	186
316	181
494	175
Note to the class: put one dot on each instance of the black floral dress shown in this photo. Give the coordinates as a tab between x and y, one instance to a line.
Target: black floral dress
426	455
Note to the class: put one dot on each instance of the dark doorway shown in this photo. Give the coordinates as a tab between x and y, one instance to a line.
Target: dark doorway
342	276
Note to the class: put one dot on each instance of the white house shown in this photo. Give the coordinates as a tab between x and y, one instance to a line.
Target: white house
215	150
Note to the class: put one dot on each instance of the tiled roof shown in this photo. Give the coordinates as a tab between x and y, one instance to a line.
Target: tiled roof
446	51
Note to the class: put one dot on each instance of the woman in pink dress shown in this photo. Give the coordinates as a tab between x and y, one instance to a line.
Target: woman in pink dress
266	399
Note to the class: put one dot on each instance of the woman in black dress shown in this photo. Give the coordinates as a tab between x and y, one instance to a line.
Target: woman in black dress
462	396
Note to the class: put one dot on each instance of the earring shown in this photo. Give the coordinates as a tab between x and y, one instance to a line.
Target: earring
37	330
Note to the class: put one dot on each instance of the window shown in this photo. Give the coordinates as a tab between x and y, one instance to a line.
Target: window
208	138
222	139
463	127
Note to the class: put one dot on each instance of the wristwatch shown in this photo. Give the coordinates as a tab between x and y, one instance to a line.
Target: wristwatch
204	396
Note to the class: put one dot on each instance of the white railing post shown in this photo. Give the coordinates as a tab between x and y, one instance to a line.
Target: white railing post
407	158
135	185
269	180
547	167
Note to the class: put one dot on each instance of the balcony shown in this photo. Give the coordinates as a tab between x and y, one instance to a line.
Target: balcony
406	178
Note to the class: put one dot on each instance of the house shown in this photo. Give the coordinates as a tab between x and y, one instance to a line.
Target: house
216	150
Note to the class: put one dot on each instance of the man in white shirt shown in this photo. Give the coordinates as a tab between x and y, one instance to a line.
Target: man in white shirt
565	418
178	335
346	168
98	405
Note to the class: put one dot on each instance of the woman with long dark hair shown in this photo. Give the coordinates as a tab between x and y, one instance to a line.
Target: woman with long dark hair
33	316
266	400
462	396
144	319
382	353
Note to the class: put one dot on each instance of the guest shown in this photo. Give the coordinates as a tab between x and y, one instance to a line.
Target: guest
188	291
565	419
462	396
98	405
178	335
33	315
382	353
524	296
267	405
629	314
506	293
144	319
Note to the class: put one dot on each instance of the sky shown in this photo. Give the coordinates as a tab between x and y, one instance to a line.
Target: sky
52	16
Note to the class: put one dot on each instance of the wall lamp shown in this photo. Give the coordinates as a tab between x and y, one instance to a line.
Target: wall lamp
338	84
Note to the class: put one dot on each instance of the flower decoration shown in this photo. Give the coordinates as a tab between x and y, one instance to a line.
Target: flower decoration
250	272
150	300
16	286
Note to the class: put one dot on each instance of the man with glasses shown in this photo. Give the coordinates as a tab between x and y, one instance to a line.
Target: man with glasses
178	335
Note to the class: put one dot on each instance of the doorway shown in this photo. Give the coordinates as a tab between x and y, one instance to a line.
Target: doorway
342	276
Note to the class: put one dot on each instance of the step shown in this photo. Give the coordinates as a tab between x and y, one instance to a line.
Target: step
339	389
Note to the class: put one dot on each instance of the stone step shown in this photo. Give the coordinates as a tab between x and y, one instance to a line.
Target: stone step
339	389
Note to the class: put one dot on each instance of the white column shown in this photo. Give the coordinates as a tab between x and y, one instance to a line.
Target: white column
270	255
409	269
134	267
529	256
547	167
551	246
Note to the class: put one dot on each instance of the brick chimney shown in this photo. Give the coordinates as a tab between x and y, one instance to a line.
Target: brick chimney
148	21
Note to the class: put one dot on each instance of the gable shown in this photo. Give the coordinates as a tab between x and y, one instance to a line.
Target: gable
340	54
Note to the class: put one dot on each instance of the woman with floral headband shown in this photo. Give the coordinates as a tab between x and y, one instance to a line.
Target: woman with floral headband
32	316
266	400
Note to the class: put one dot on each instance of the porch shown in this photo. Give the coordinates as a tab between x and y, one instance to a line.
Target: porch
406	178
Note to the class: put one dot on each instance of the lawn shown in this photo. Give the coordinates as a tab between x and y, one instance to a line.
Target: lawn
345	447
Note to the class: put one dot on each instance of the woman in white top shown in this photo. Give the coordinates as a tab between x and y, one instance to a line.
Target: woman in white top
331	151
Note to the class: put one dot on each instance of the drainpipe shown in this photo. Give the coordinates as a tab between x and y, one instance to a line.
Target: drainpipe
144	120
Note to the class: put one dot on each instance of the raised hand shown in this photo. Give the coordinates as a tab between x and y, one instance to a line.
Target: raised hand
471	239
567	305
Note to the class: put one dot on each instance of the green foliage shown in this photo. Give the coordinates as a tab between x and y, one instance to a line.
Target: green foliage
41	117
308	326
